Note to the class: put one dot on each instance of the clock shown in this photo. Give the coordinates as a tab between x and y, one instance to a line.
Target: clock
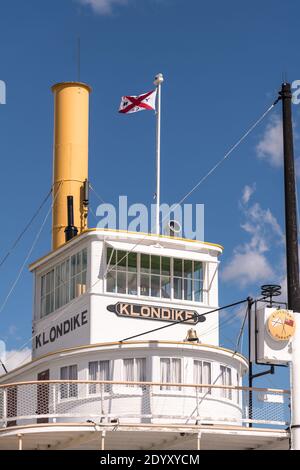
281	325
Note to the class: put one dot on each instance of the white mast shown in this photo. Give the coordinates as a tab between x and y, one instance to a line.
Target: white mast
158	81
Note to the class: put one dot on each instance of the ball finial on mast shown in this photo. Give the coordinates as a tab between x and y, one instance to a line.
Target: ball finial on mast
158	79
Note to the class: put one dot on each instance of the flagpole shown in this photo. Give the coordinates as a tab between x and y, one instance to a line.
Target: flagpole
158	81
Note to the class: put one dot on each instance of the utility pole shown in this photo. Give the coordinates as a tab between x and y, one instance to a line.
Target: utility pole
291	229
292	258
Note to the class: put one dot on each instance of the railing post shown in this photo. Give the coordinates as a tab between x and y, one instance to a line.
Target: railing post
101	398
245	407
20	441
199	441
5	406
103	434
197	398
150	400
54	398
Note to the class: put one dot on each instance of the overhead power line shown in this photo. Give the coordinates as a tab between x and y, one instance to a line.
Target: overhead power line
195	316
210	172
22	233
29	253
252	127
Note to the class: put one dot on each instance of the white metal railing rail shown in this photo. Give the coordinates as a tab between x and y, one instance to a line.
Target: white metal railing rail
59	401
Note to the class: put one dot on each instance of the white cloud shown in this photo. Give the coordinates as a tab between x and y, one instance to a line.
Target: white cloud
248	192
248	268
262	224
249	264
12	330
103	7
270	147
15	358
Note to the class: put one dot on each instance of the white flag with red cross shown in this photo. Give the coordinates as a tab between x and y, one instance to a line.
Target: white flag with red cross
133	104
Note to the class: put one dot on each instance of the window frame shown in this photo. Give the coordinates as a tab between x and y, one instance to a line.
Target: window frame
58	287
107	387
117	269
68	388
203	390
169	388
140	273
134	359
226	393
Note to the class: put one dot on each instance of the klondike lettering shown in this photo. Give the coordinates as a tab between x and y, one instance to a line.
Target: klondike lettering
61	329
155	312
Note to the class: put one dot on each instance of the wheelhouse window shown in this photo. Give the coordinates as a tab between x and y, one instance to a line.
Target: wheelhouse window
63	283
68	390
134	369
122	272
47	293
154	276
99	370
188	280
202	375
226	380
170	372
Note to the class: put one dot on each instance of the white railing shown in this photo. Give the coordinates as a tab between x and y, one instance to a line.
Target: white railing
141	402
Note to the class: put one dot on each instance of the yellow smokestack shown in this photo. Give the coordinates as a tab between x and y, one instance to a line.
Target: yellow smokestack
70	160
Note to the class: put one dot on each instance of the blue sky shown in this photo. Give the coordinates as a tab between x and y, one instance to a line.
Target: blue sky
223	64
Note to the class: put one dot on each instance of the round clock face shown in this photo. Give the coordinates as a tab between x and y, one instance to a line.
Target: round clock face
281	325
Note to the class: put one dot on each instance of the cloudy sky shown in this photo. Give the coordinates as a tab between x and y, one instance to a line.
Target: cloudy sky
223	64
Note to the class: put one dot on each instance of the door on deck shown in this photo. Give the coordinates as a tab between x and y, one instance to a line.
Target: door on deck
43	396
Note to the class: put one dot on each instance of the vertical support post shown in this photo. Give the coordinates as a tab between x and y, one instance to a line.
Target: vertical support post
199	441
150	402
20	441
292	257
5	406
250	372
101	398
103	434
295	387
158	81
54	400
197	398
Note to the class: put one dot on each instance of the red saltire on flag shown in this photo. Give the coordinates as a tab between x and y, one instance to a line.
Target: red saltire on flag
133	104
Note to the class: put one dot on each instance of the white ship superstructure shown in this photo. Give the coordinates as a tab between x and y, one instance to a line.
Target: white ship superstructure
99	378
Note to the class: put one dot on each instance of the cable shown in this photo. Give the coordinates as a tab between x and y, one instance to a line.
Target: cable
220	325
55	318
98	196
183	199
241	331
25	229
196	315
93	213
229	320
3	365
227	154
29	254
